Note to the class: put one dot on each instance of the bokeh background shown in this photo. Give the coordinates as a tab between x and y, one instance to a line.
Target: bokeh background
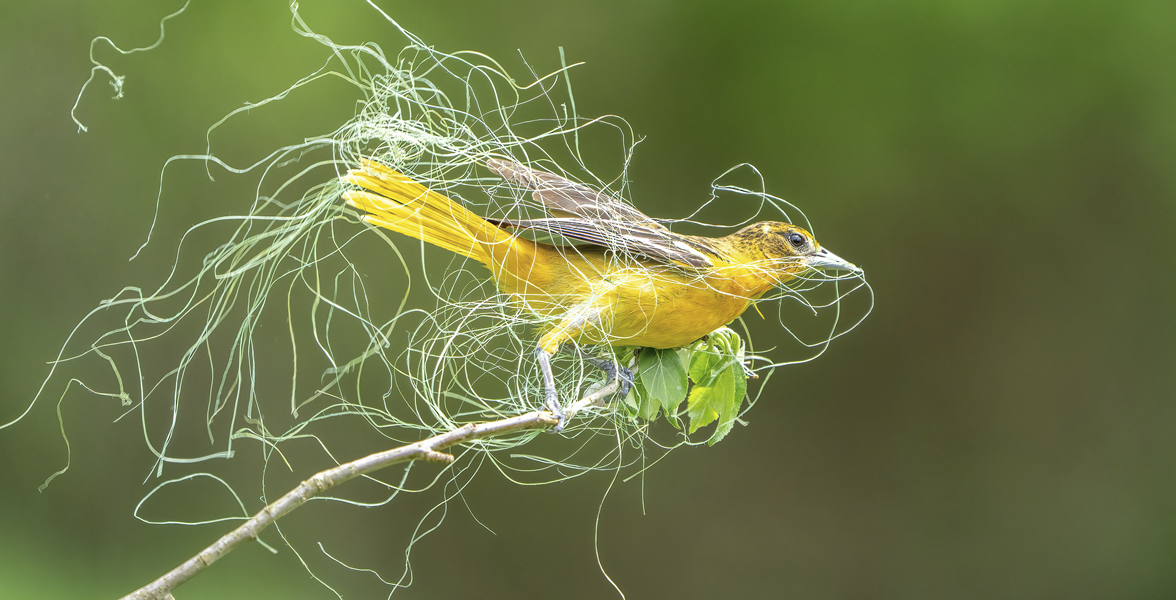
1001	427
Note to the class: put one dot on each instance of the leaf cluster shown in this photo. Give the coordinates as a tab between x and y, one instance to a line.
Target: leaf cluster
708	374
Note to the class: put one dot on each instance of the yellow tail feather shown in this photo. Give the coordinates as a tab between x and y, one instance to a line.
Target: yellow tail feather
394	201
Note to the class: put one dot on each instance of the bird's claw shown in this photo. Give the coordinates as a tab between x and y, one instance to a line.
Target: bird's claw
557	410
549	391
623	375
612	371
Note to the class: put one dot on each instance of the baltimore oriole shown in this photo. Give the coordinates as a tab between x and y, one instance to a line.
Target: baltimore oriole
632	283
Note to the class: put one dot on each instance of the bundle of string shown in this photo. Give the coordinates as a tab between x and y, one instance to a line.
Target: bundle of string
467	357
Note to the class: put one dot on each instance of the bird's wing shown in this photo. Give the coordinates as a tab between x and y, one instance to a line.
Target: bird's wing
565	198
629	238
583	214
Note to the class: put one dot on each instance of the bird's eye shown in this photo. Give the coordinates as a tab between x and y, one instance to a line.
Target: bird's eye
796	240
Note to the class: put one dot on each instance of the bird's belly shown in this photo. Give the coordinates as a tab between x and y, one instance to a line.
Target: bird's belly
667	314
591	301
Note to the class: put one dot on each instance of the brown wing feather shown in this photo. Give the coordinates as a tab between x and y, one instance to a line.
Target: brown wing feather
566	198
628	238
583	214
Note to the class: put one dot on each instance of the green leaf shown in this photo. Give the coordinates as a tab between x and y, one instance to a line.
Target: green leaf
730	410
646	405
708	403
702	363
726	341
716	367
700	407
663	377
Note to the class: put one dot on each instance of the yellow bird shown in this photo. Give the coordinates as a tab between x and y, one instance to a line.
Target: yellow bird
632	283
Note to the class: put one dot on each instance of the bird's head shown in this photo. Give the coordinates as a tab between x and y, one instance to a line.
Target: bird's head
786	249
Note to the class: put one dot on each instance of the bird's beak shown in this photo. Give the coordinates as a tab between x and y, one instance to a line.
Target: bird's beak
824	259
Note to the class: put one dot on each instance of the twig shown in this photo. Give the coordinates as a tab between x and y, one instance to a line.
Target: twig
428	450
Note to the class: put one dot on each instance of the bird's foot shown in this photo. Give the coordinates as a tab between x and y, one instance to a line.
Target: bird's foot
612	371
622	375
549	391
553	405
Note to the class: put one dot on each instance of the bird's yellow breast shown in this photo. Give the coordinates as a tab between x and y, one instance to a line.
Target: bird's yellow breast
587	296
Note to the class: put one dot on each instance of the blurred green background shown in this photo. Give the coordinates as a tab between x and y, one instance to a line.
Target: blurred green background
1001	427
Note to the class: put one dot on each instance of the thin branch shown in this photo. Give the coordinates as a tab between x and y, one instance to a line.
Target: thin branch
427	450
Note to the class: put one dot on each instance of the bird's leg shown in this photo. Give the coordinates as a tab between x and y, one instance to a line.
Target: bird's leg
552	342
549	391
611	370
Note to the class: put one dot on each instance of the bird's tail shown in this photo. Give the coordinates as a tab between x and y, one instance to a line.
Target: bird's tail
394	201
